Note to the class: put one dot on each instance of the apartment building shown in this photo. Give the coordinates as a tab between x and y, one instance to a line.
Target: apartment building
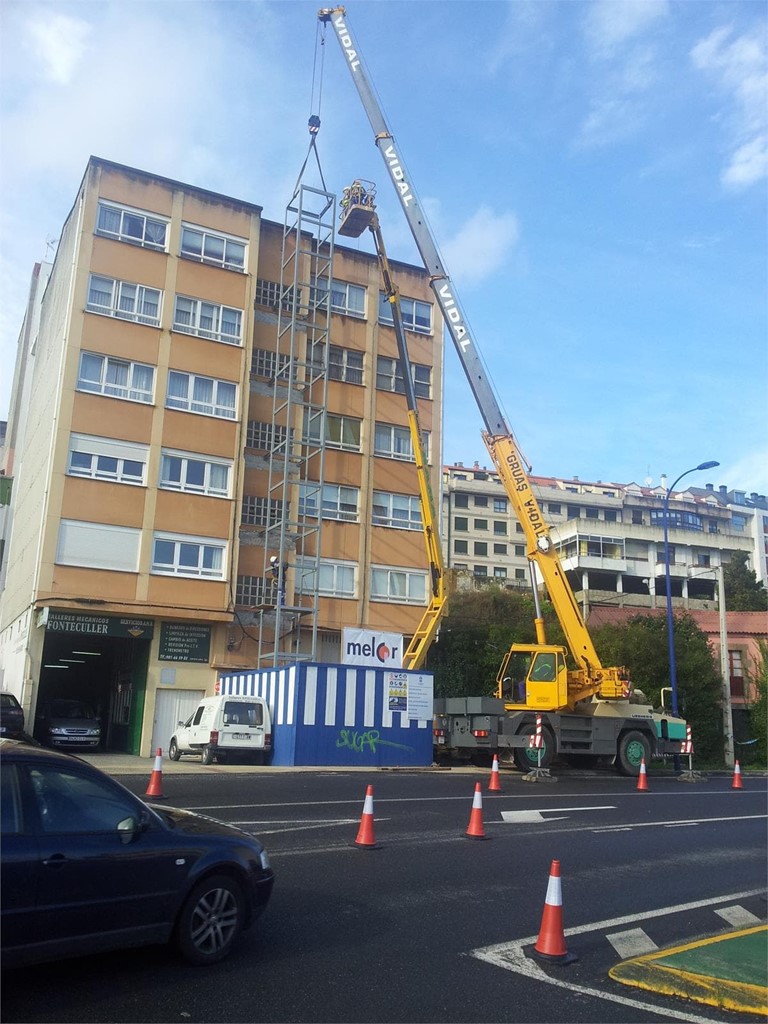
147	506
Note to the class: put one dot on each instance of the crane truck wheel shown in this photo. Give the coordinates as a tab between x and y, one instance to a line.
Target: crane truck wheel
528	757
633	747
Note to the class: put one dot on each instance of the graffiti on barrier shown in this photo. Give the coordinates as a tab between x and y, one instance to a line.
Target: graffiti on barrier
369	740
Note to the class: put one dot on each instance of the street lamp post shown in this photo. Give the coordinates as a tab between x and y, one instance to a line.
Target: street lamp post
670	620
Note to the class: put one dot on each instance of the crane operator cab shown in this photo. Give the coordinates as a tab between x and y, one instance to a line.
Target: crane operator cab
534	677
358	208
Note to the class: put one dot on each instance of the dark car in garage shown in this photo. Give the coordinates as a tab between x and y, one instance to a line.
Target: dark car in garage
11	716
87	866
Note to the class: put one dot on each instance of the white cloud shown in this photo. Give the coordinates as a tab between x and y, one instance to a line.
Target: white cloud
481	245
58	44
739	67
611	23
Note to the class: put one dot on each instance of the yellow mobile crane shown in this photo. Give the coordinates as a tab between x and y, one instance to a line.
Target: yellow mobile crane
358	214
588	710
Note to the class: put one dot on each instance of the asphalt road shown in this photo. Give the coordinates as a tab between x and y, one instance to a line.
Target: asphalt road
431	925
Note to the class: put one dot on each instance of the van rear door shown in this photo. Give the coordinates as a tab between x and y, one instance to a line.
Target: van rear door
243	724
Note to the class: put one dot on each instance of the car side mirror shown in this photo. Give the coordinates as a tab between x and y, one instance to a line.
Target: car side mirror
128	828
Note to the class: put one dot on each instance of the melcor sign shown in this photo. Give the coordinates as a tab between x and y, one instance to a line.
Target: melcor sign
371	647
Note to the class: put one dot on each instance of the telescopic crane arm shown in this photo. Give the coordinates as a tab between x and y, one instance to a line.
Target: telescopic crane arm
550	685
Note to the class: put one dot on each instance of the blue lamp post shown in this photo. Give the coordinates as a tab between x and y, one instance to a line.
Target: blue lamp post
670	620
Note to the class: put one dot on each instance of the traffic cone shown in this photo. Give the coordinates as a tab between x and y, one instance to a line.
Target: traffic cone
475	828
737	783
550	944
365	837
155	787
642	778
494	783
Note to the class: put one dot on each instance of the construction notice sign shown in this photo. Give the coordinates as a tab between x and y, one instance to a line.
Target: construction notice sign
371	647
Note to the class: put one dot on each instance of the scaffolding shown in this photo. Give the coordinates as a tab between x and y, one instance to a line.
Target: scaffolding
296	464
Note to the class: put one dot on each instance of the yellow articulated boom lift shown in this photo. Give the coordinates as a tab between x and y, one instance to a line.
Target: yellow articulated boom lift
588	710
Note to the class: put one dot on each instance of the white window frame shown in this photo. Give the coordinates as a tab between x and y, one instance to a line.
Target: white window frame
342	362
401	586
131	220
185	464
340	430
119	301
412	311
209	549
338	501
98	546
200	311
335	578
230	243
196	405
111	368
89	457
393	441
389	377
399	511
346	298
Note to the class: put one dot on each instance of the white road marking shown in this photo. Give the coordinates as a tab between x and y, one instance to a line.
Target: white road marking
526	817
633	942
510	956
737	917
264	829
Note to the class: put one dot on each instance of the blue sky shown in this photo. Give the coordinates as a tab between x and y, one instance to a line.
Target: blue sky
594	173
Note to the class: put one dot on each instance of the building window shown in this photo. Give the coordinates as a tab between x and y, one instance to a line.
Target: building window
738	521
601	547
116	378
336	501
499	528
346	298
637	517
460	547
481	524
389	377
704	560
460	523
124	300
555	508
398	510
519	574
208	320
480	549
203	395
417	315
396	442
480	570
182	472
344	364
499	549
334	579
252	591
260	511
518	528
481	501
398	585
177	555
500	505
520	550
101	458
677	520
207	247
128	225
267	363
500	572
98	546
611	515
736	673
573	511
714	527
264	437
592	513
268	293
340	431
461	501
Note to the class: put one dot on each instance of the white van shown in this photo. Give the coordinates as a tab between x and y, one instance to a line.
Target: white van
225	725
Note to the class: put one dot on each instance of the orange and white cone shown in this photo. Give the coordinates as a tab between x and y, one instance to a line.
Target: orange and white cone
366	839
550	944
475	829
155	787
494	783
737	783
642	778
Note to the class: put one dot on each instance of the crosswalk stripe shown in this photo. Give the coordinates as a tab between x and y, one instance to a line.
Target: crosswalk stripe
738	917
634	942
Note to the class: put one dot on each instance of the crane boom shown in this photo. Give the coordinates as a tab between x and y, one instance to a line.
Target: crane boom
549	684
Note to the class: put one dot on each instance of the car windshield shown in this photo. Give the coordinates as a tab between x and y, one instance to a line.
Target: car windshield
238	712
70	709
7	700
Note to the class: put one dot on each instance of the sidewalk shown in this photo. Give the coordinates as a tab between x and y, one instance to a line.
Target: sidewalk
728	971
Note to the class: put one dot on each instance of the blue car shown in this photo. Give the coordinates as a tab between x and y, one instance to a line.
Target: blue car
87	866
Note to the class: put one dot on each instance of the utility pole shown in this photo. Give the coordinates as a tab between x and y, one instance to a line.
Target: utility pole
725	671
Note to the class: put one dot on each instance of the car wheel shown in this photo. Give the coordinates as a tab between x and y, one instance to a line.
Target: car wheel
527	758
173	750
208	754
633	747
211	919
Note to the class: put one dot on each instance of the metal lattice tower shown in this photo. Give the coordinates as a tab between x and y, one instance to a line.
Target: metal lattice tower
292	543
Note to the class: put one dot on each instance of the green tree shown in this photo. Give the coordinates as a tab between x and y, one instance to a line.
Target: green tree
743	591
758	709
642	645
